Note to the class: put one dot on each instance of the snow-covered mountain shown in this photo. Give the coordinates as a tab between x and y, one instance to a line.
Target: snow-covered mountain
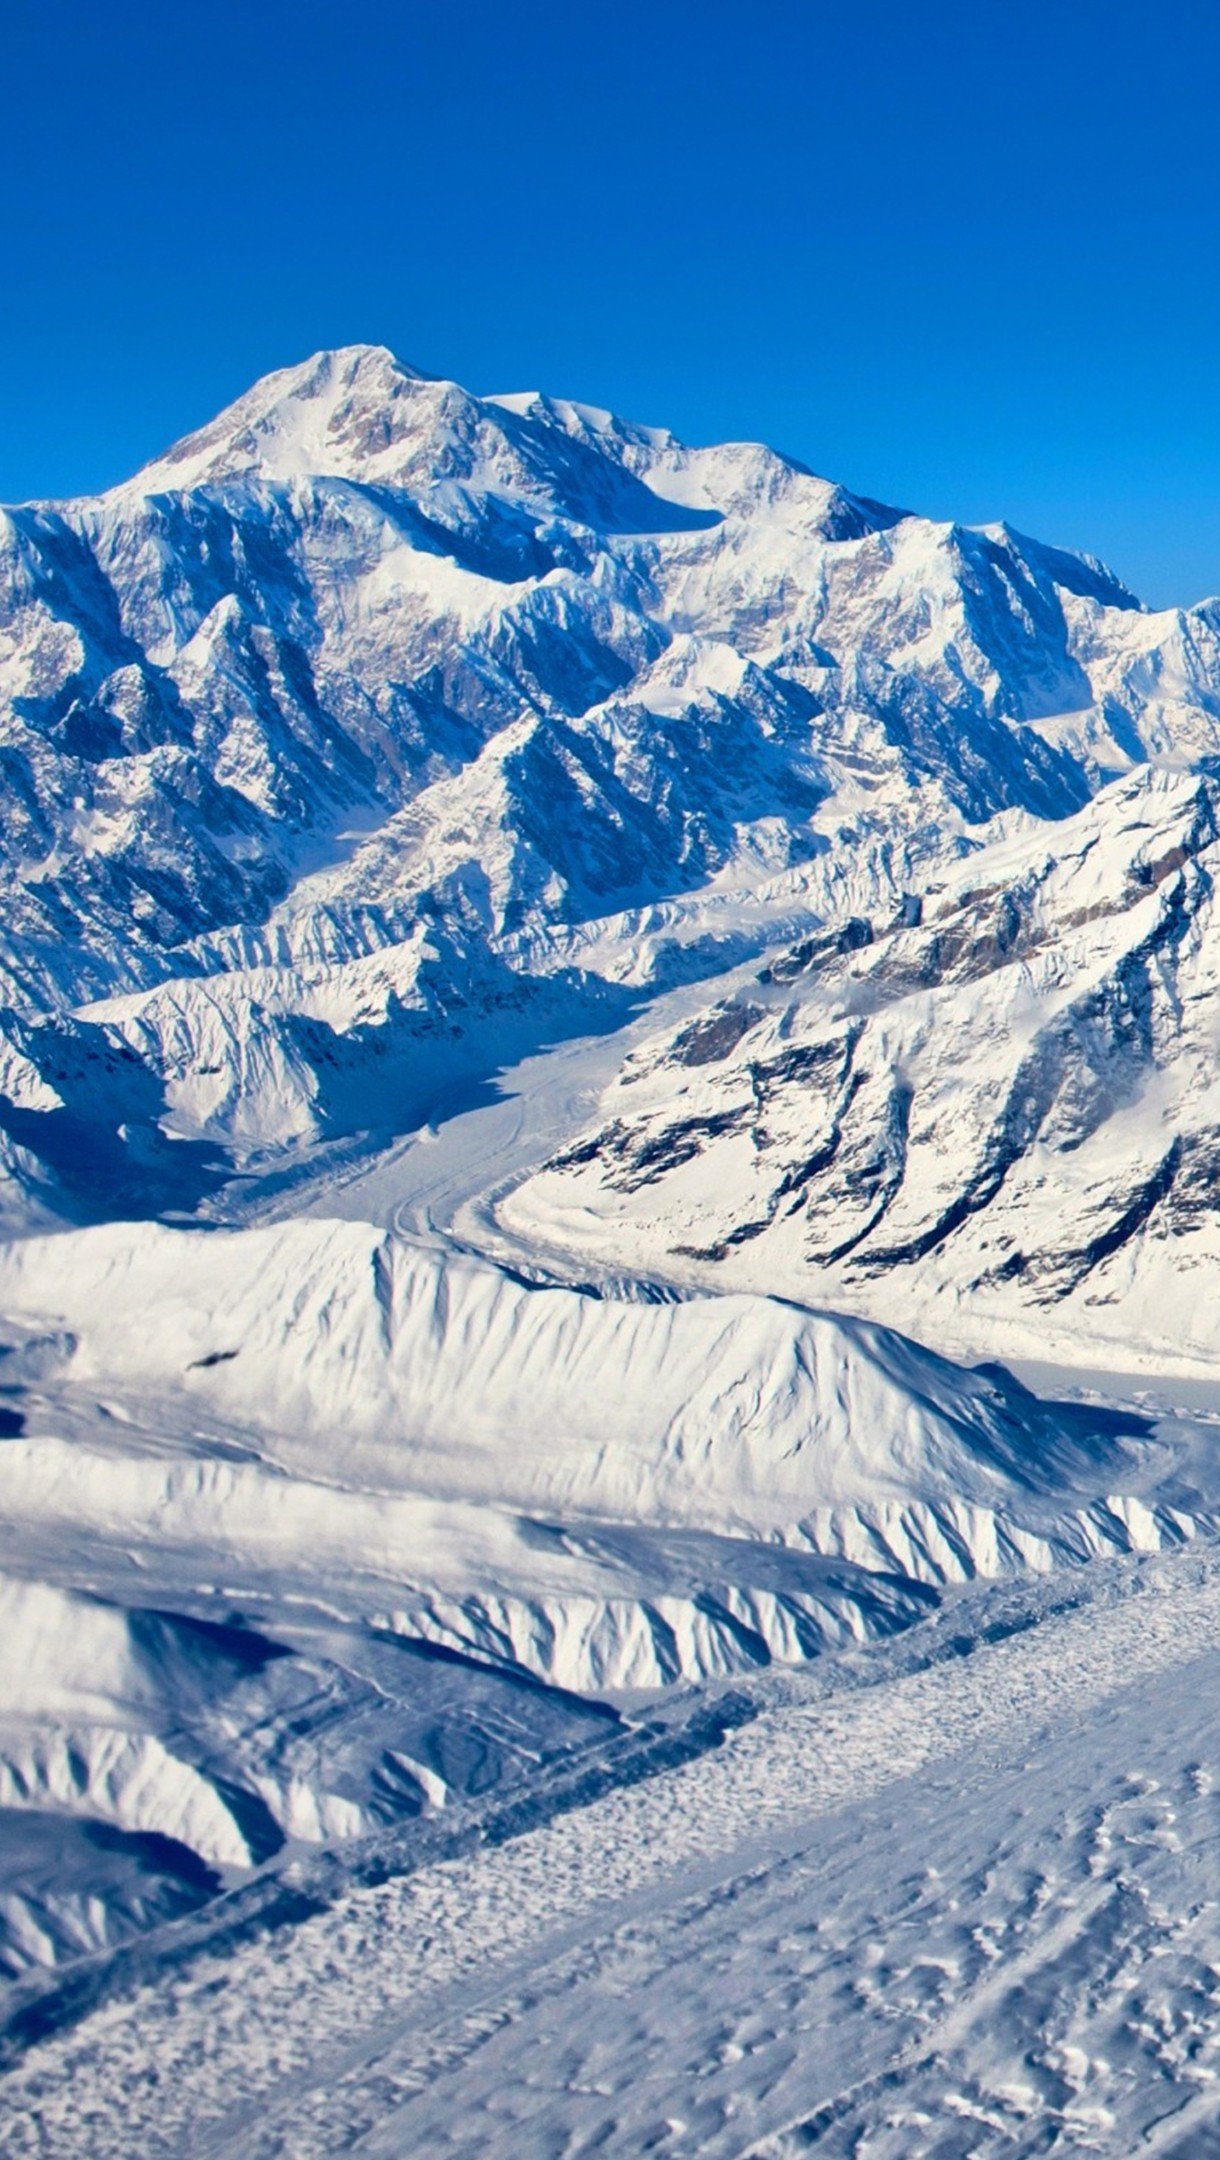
528	951
376	712
995	1115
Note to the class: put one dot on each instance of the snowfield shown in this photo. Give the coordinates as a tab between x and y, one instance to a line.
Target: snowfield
962	1909
609	1367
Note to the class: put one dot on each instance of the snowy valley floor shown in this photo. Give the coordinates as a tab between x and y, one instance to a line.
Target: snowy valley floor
963	1906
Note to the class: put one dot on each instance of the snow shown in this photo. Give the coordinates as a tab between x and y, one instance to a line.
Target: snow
1027	1067
564	997
362	1354
915	1878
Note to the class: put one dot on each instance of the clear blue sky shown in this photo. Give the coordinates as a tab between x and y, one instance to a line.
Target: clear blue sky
963	256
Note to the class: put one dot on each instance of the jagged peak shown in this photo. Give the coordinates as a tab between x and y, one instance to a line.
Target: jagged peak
1071	568
329	413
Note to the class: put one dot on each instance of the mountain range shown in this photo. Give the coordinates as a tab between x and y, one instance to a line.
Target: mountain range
563	999
380	730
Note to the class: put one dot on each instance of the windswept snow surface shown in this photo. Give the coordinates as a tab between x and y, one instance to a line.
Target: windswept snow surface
965	1909
564	997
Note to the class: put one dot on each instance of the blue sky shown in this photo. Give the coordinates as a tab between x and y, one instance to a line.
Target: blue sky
961	256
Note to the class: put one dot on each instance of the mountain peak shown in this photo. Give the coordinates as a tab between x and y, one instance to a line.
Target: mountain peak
332	413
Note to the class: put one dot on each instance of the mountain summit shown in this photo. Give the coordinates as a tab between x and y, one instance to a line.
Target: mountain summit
338	413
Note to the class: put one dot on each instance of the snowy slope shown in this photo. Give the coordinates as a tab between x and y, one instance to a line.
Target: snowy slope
370	1360
309	1534
1000	1117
